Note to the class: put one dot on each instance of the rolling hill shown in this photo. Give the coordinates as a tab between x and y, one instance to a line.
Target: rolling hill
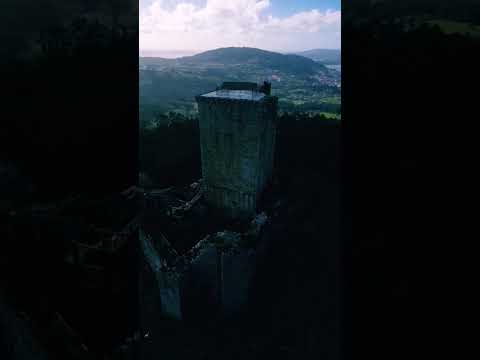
234	56
291	64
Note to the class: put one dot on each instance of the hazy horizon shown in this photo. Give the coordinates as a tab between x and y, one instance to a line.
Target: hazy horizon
173	54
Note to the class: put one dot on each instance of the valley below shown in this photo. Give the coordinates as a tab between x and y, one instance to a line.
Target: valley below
301	84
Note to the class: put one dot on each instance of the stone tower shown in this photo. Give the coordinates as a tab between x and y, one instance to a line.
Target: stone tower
237	139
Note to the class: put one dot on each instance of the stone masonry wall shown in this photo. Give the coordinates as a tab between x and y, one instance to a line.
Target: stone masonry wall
237	139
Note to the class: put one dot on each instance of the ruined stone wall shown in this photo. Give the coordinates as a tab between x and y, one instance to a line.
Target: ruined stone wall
214	275
156	276
236	140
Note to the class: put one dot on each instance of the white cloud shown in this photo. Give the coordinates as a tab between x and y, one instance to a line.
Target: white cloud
219	23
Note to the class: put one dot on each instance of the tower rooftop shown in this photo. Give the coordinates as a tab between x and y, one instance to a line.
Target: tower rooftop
251	95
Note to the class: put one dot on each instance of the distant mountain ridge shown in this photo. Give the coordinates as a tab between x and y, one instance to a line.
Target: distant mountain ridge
324	56
231	56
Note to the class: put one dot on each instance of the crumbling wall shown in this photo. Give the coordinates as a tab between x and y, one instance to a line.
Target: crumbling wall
212	278
168	281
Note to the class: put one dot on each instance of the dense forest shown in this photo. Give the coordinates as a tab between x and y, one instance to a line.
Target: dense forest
170	151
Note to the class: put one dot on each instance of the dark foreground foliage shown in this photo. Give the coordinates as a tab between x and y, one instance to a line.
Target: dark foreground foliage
68	126
405	164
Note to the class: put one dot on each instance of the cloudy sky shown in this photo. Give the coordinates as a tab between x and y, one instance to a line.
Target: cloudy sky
277	25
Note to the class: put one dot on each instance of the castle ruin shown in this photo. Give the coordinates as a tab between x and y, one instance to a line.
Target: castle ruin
237	138
197	263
